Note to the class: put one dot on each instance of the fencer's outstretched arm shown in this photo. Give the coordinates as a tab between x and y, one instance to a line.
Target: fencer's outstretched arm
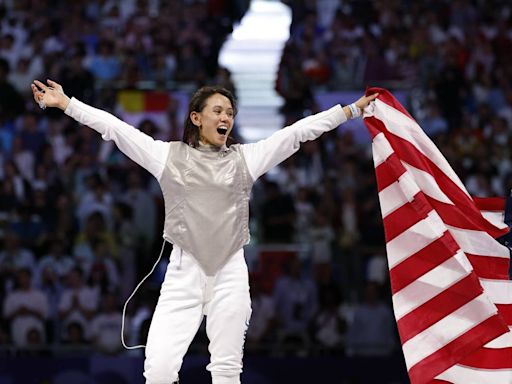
267	153
149	153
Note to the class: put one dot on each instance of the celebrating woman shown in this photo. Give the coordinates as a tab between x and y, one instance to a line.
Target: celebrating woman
206	187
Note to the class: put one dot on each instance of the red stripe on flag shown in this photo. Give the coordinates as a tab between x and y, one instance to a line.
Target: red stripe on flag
406	216
490	203
456	217
505	310
489	358
422	261
449	355
439	307
388	172
489	267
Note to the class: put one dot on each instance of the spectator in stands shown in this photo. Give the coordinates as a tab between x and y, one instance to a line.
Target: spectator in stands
77	79
371	332
321	236
329	323
261	328
278	215
104	64
11	102
32	137
74	336
56	260
51	285
12	258
143	210
28	227
26	308
104	272
78	302
95	230
305	212
106	325
23	157
20	186
295	299
96	199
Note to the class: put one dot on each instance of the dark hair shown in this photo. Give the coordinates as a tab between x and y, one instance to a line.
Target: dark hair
197	104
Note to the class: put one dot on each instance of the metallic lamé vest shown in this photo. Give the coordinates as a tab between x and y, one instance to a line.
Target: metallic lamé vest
206	193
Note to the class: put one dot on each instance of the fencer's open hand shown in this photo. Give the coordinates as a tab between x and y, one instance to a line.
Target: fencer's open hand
364	101
51	95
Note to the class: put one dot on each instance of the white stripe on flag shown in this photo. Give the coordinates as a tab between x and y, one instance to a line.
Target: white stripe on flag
498	291
431	284
415	238
427	183
467	375
397	194
503	341
495	218
478	243
381	149
406	128
447	329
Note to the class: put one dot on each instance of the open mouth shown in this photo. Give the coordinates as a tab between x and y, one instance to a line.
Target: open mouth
222	130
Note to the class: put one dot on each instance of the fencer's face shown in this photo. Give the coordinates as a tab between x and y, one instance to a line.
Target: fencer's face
215	121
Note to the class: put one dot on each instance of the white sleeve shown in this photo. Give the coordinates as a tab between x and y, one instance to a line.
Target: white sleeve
149	153
267	153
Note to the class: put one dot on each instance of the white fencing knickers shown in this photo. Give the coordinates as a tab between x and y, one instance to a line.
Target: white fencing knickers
187	294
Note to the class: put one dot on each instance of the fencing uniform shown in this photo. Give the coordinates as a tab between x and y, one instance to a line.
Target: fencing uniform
206	192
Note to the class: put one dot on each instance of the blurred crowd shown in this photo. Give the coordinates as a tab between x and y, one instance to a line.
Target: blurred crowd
79	227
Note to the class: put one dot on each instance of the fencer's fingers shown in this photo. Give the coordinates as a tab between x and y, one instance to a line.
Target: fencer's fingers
54	84
41	85
36	92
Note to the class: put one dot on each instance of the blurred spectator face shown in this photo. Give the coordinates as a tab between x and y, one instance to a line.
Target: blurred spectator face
11	241
48	276
10	170
30	122
23	65
101	250
34	337
74	279
295	268
372	294
215	121
75	333
24	278
95	224
7	42
57	249
110	303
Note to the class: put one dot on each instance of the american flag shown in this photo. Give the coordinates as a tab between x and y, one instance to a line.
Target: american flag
452	296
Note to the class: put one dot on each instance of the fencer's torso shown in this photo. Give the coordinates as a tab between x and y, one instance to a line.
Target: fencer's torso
206	192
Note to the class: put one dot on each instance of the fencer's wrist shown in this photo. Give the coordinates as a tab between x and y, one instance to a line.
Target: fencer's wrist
64	102
355	111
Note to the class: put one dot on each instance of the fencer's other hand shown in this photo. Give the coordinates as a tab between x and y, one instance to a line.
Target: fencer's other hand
364	101
51	95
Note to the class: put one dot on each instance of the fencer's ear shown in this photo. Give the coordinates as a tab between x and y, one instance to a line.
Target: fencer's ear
195	117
